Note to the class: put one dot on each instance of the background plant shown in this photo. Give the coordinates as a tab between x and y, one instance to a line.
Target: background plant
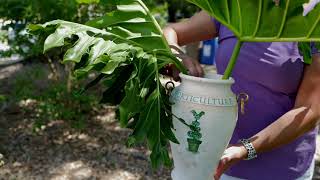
46	100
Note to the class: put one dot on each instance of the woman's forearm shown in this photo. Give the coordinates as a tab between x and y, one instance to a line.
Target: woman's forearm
301	119
197	28
286	129
170	35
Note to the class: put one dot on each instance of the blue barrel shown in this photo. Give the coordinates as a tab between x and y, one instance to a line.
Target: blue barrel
208	51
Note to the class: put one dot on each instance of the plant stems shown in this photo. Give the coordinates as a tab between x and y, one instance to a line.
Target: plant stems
181	68
180	119
232	61
155	23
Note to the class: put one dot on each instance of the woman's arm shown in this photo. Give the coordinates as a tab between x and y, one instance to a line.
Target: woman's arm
199	27
302	118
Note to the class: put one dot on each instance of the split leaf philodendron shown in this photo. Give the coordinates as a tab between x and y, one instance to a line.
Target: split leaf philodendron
264	21
128	49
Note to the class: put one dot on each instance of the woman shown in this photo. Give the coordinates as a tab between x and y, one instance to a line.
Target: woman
281	116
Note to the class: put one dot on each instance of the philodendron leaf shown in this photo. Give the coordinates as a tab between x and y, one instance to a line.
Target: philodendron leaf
305	50
127	49
262	20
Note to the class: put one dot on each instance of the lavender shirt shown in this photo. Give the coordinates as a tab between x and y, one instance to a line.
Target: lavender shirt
270	73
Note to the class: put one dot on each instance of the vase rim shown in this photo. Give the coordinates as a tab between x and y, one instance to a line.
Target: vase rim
208	78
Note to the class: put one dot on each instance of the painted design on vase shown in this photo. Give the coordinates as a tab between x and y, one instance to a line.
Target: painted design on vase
194	134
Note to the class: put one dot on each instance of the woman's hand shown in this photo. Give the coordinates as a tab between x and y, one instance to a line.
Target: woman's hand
185	32
231	156
193	66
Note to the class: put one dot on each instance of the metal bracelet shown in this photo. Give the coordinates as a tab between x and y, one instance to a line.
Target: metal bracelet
250	149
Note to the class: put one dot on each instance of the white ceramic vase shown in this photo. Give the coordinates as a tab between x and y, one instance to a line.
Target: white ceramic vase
210	107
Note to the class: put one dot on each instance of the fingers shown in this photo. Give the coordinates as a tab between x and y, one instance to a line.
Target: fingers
222	167
194	68
175	74
189	64
192	65
199	69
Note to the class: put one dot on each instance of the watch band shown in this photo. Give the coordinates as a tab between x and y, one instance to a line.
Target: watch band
250	149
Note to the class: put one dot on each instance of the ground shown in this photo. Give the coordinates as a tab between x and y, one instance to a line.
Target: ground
59	152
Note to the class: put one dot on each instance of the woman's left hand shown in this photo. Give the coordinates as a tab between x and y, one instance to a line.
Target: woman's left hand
231	156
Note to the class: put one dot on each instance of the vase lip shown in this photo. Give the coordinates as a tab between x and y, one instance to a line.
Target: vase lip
208	78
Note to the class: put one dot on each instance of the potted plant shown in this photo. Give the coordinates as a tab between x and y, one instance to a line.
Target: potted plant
127	48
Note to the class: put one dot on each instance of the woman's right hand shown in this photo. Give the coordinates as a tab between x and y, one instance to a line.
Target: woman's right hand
193	66
185	32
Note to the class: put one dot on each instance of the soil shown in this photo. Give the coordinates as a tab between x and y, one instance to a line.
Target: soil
60	152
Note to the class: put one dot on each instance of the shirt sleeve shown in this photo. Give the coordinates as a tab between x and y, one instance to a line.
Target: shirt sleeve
217	24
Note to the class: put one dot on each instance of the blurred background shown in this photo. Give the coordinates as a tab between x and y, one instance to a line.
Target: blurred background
48	131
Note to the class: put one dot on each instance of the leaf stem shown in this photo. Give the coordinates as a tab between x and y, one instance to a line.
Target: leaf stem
284	19
232	61
258	19
177	62
240	18
313	27
155	23
180	119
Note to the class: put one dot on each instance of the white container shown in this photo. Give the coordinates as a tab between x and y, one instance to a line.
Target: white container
210	105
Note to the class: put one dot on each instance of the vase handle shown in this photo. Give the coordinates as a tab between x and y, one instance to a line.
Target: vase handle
169	87
243	98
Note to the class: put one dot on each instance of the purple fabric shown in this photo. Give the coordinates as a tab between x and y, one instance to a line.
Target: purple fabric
314	49
270	73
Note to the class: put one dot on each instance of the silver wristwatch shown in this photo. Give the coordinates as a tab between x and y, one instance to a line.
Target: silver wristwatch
250	149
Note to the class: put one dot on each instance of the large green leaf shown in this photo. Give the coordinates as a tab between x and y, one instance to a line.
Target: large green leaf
127	49
264	21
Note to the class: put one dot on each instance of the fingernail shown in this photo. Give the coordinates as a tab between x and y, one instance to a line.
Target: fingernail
224	161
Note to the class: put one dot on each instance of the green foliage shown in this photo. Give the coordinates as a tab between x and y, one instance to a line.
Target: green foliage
56	103
20	43
50	100
127	48
20	12
38	10
2	98
263	21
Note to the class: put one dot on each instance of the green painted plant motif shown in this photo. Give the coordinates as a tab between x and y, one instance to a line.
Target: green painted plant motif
194	134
